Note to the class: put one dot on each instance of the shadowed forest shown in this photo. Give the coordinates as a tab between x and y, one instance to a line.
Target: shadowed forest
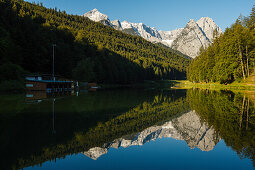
85	51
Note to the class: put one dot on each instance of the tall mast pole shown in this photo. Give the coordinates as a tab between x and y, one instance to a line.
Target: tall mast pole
53	62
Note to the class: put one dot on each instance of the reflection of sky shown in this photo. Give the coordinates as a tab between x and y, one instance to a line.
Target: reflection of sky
163	153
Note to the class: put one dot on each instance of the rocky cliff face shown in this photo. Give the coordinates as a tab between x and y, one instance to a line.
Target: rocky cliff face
190	40
196	35
116	25
187	40
209	27
187	127
195	133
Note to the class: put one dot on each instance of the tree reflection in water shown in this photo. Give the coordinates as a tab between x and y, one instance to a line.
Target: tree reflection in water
91	123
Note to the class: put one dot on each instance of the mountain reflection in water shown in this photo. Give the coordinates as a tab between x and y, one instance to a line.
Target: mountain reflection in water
186	127
92	123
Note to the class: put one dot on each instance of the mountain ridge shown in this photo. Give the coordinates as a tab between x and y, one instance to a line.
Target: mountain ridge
168	38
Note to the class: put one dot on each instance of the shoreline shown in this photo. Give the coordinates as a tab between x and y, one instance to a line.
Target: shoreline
213	86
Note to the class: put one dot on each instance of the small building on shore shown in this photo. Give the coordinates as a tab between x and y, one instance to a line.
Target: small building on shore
47	83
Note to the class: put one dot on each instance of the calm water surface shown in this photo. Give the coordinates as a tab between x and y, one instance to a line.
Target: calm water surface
128	129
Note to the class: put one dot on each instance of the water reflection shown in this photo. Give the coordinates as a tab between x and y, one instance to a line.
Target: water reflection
92	123
232	115
38	96
187	127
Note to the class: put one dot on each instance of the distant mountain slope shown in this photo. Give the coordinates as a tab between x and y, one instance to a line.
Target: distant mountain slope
175	39
86	50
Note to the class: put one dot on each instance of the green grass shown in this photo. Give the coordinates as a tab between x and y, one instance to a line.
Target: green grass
214	86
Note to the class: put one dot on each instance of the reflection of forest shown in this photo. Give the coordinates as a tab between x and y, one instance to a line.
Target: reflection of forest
95	120
186	127
231	115
81	123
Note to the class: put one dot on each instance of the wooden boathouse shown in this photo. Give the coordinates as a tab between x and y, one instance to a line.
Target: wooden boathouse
45	83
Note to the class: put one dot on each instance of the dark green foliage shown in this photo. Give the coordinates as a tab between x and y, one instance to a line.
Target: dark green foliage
12	86
29	30
10	71
231	115
84	71
231	56
11	77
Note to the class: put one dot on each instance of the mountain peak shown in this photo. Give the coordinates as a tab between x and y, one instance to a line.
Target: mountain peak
209	26
116	24
95	10
126	25
96	16
200	33
206	19
191	23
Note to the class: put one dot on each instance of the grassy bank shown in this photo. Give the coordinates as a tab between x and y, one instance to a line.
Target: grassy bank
214	86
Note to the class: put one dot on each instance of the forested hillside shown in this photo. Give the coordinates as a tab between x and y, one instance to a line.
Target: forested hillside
85	50
230	57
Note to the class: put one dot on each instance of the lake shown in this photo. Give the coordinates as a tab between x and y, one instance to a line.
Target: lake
128	129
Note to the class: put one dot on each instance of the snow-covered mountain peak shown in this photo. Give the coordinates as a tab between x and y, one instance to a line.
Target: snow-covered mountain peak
94	10
126	25
187	40
96	16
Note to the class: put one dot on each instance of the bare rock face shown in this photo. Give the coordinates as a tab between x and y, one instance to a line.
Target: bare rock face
187	127
196	35
195	133
116	25
187	40
210	28
95	153
191	39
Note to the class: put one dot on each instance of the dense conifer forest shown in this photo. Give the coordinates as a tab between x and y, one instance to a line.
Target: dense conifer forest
85	50
231	56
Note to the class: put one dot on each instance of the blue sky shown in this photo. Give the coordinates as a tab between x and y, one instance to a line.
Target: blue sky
162	14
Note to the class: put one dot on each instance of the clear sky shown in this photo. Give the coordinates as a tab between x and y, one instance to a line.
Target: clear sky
162	14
